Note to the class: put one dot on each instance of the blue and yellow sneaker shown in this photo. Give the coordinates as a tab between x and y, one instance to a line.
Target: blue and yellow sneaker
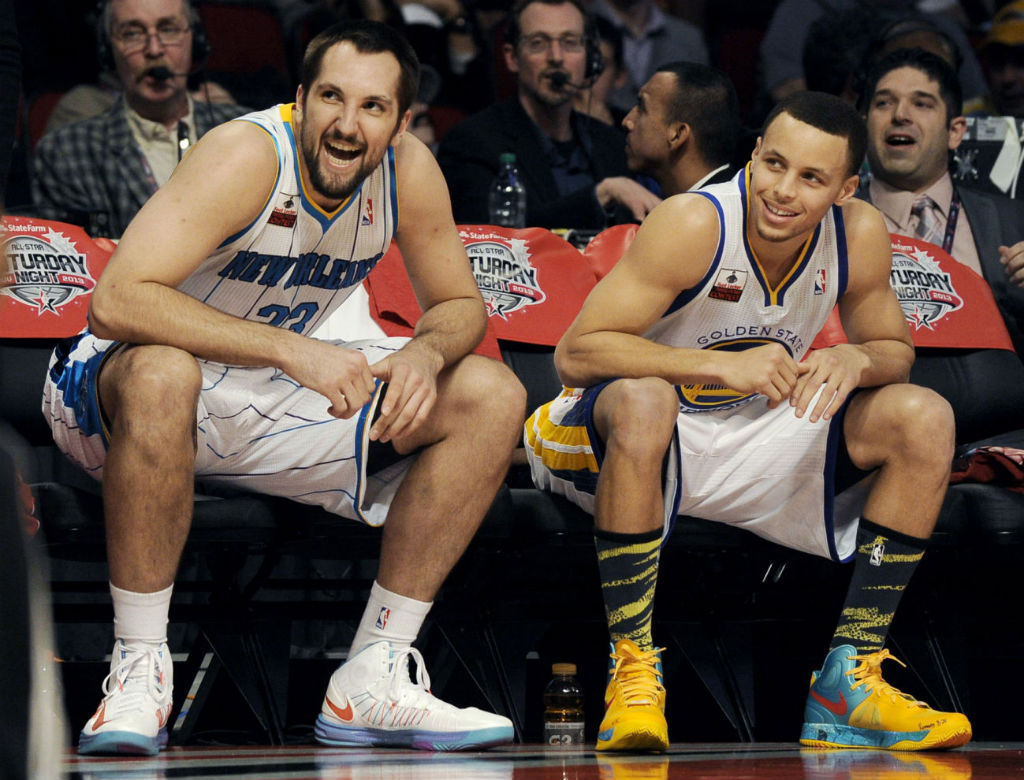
634	718
850	705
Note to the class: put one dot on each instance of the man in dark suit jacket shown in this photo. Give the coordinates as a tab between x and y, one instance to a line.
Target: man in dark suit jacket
912	106
99	172
573	167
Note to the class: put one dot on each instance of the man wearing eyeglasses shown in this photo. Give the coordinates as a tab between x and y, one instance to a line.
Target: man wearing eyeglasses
100	171
573	166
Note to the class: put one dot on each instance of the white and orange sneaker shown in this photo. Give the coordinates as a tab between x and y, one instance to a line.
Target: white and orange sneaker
132	718
372	700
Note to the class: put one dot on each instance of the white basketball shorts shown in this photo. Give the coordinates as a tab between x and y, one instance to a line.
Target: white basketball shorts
257	429
762	469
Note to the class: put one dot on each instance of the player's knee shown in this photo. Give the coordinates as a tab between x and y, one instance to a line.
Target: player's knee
494	395
925	425
642	416
156	381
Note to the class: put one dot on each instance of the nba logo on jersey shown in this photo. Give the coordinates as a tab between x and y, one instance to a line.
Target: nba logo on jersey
382	617
368	212
819	282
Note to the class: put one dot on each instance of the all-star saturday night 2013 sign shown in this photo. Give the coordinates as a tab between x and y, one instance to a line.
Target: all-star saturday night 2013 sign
47	274
946	304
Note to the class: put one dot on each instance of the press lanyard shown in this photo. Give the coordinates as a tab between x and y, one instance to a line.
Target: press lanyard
954	213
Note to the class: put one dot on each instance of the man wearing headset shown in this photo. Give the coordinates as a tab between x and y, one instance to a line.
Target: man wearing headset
573	166
99	172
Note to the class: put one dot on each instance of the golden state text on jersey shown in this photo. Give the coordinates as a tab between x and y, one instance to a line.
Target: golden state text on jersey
295	263
734	307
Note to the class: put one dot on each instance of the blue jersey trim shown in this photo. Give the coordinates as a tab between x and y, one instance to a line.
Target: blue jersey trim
273	191
393	180
802	263
842	252
362	448
688	295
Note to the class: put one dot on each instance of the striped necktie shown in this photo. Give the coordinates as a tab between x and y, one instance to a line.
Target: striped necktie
929	221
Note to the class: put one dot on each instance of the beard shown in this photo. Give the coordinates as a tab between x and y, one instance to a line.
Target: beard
331	186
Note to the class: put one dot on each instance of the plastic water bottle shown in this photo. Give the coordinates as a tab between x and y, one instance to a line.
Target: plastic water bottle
506	201
563	707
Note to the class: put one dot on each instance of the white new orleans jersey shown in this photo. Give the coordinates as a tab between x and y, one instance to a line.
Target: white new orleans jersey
296	263
256	427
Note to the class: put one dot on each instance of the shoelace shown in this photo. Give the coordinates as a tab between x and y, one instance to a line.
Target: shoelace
869	674
406	690
128	673
638	676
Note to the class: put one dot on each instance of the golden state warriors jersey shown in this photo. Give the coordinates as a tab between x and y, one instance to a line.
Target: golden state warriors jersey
734	307
296	263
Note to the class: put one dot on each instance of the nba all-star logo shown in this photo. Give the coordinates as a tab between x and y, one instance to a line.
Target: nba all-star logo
44	272
926	292
503	272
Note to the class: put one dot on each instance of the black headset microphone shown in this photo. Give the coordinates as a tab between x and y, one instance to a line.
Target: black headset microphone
560	79
163	73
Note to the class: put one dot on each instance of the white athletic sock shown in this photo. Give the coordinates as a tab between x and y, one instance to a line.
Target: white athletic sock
141	617
389	616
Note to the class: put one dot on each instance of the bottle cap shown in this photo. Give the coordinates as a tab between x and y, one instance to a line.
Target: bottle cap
507	157
563	668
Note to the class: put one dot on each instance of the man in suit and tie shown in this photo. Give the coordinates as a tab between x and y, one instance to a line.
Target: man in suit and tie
912	103
100	171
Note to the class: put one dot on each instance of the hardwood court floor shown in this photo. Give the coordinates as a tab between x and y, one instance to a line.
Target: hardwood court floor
764	761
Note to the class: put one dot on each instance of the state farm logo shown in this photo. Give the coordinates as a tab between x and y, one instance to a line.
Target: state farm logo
504	275
44	272
926	292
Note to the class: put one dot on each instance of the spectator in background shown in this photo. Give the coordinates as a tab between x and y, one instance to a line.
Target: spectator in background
650	37
595	100
1002	53
573	166
682	131
913	110
908	151
783	45
99	172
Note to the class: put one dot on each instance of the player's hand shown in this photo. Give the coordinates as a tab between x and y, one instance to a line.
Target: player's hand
411	374
769	370
341	375
1012	258
839	369
634	197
